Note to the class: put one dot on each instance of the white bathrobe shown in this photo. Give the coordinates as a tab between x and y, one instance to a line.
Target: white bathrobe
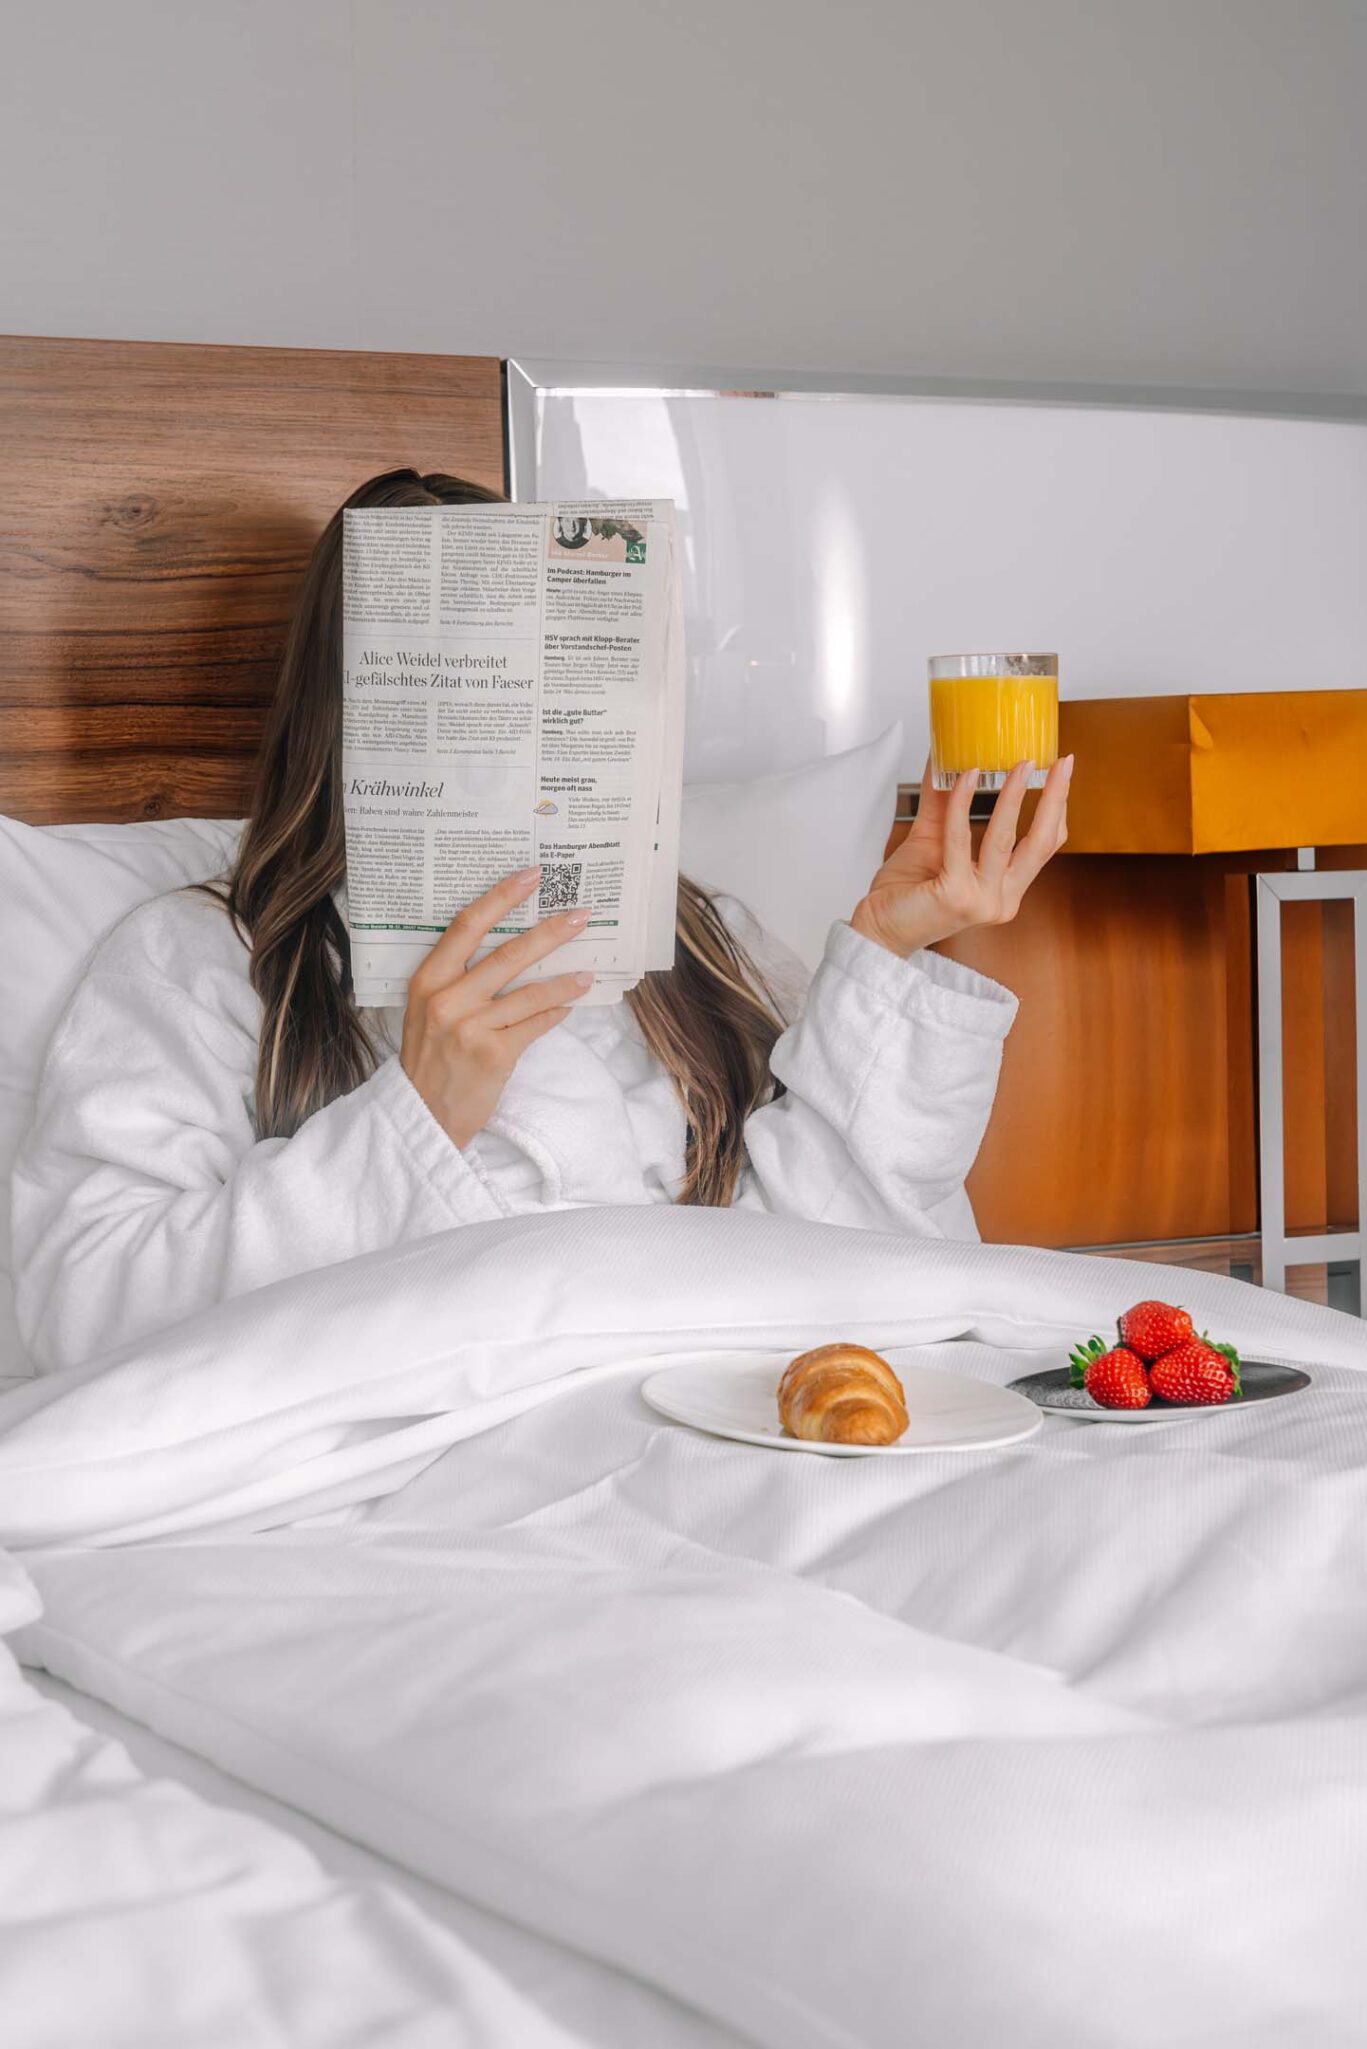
143	1194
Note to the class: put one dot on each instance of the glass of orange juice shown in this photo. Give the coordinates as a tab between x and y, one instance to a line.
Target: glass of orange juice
990	711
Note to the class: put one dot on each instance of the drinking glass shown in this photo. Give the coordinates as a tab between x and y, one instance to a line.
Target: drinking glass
989	712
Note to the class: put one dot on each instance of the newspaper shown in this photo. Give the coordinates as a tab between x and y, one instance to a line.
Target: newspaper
513	690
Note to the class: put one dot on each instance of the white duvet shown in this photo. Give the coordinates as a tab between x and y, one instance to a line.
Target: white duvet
1061	1745
134	1915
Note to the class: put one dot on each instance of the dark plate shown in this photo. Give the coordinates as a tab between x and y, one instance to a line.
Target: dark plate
1263	1380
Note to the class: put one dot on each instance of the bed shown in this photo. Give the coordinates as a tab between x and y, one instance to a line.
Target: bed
381	1668
503	1984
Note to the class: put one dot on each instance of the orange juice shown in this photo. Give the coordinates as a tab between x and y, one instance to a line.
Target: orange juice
991	711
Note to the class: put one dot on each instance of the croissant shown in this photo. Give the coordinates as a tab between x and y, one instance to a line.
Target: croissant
842	1394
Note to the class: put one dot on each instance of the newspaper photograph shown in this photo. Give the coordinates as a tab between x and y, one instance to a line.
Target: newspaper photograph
512	697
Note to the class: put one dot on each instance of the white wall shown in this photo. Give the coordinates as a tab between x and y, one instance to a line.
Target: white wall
1136	191
829	549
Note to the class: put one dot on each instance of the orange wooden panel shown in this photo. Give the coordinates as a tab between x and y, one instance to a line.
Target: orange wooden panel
1287	768
1128	1109
1111	1122
1217	774
1131	788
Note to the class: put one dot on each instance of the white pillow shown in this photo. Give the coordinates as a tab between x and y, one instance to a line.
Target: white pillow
798	849
62	888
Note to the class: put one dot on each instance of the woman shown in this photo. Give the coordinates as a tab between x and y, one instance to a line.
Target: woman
215	1112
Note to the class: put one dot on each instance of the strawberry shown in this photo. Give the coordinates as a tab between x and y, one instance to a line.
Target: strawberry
1115	1379
1197	1374
1152	1328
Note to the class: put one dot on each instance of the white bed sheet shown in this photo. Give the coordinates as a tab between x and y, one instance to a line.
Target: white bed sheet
1065	1746
135	1914
592	2004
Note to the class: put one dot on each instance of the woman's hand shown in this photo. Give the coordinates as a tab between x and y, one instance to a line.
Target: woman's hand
930	887
461	1037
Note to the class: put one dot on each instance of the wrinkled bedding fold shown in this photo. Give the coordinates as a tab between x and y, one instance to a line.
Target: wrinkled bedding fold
1064	1744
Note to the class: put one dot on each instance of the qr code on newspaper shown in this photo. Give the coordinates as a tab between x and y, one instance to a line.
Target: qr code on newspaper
560	885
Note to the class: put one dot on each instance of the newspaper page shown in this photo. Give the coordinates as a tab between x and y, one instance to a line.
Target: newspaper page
512	696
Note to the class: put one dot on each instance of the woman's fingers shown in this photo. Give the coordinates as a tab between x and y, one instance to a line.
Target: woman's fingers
517	1038
999	838
1048	827
515	956
519	1004
930	804
958	835
463	936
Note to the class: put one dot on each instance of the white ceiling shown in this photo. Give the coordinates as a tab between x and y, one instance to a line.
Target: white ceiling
1128	191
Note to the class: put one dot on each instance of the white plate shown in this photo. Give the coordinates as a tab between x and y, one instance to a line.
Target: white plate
735	1394
1264	1380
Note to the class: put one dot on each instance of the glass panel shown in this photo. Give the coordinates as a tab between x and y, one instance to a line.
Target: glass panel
832	545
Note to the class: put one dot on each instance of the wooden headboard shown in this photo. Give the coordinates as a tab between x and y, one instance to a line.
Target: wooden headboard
158	502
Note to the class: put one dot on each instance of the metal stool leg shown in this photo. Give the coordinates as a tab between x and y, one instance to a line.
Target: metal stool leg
1271	1090
1315	885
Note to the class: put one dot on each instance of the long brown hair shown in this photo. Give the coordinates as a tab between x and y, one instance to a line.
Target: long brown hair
710	1020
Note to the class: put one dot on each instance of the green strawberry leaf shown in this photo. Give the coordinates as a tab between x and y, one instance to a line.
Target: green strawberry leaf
1229	1355
1081	1357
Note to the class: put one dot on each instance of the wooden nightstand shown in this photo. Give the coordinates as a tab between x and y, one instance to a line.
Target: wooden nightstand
1129	1105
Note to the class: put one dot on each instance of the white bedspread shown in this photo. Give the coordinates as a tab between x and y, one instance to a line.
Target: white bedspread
134	1915
594	2006
1063	1745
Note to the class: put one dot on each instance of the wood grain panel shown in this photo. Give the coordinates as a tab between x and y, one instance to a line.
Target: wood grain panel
1241	1054
158	502
1340	1052
1341	1081
1111	1122
117	761
1127	1111
1303	1093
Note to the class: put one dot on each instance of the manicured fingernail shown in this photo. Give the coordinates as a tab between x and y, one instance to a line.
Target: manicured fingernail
1067	766
527	876
1029	767
583	981
578	917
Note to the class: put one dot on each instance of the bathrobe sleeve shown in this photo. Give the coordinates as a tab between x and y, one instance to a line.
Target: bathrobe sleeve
890	1071
142	1194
